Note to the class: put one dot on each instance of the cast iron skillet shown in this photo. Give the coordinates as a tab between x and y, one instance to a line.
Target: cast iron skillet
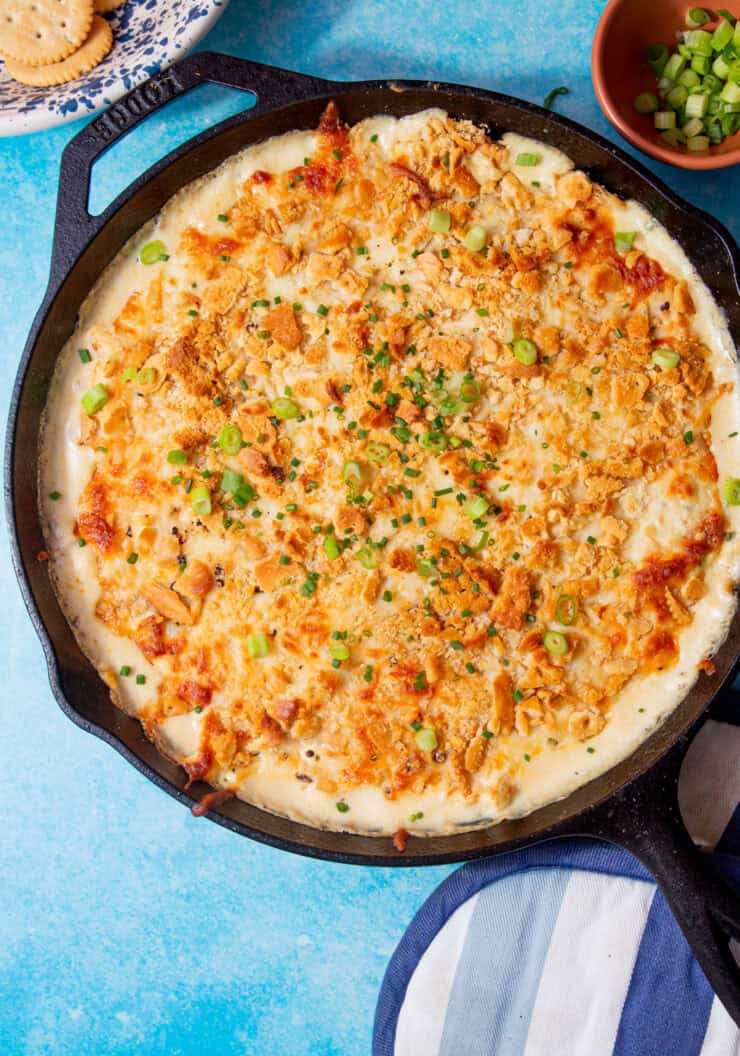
635	803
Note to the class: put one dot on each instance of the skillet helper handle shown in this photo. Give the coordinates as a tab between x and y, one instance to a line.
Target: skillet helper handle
75	227
645	819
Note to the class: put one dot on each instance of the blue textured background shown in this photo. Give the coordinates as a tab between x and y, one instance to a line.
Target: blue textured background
126	925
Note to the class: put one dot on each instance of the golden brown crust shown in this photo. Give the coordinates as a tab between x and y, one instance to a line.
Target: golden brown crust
413	510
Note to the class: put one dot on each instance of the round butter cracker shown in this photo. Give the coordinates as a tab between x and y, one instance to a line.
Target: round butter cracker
104	6
95	48
38	32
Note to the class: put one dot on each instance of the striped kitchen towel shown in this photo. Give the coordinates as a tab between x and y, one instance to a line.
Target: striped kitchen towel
567	948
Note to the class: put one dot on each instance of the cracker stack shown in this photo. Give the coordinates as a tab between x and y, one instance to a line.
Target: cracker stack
48	42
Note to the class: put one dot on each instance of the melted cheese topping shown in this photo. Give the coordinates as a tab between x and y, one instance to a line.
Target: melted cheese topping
404	544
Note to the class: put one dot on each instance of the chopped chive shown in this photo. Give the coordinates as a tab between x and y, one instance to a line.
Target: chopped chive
84	355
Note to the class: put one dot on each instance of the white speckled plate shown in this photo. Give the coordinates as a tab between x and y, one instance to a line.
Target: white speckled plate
148	35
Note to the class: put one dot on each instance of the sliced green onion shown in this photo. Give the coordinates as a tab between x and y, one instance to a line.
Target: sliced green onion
152	252
657	56
476	238
367	557
697	143
690	79
331	547
677	96
128	373
146	376
697	16
424	568
475	507
353	474
645	103
200	500
731	491
552	96
230	439
258	645
177	457
665	358
555	642
623	240
231	481
701	64
439	221
470	391
565	609
243	494
696	105
377	453
84	355
426	739
693	127
698	40
338	651
525	351
451	406
573	391
674	67
527	159
721	36
730	93
95	399
284	408
433	441
664	119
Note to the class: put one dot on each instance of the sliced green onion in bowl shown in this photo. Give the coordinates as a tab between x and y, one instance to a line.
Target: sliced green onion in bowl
153	252
731	491
555	643
331	547
657	58
476	507
367	557
258	645
527	159
439	221
200	500
95	399
722	36
665	358
284	408
697	16
697	143
646	103
693	127
426	739
677	96
476	238
230	439
623	240
674	67
565	609
664	119
525	351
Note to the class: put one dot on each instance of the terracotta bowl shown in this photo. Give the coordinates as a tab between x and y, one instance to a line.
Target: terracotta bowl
620	72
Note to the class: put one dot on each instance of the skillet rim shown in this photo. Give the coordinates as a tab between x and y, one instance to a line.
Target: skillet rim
297	837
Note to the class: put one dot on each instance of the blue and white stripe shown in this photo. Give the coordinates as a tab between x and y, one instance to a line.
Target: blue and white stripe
566	948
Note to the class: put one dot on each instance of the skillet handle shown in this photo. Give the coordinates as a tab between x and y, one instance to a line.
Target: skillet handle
645	819
74	226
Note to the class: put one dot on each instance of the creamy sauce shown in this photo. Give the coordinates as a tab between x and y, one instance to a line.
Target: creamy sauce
553	772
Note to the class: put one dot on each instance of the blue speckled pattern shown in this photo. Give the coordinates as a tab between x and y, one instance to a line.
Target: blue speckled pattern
129	928
148	35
